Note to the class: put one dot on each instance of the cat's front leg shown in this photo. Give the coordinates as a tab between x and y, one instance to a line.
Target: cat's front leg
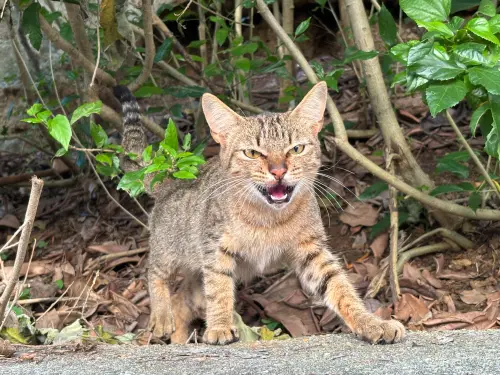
322	273
218	277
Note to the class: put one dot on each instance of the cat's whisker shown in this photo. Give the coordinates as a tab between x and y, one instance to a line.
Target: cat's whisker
338	182
246	193
334	166
332	193
228	187
311	190
225	180
325	193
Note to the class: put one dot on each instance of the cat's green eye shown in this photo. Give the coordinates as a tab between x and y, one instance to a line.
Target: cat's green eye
252	154
297	150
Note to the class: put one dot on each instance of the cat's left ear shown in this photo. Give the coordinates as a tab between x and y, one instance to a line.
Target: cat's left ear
312	108
219	116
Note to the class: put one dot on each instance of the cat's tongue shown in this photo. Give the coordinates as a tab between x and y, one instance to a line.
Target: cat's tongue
277	192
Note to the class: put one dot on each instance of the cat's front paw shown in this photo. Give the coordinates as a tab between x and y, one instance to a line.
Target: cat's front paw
221	335
161	323
376	330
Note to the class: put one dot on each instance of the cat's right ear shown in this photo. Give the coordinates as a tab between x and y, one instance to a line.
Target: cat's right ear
219	116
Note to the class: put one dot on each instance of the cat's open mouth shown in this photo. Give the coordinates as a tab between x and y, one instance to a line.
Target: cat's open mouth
277	194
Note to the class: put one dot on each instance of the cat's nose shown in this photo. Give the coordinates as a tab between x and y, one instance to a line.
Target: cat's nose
278	173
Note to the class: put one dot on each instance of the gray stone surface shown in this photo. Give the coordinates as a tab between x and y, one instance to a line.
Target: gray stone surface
459	352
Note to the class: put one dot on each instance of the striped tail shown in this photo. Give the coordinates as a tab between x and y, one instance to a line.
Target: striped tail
134	136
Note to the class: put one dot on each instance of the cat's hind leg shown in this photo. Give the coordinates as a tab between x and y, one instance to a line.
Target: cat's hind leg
161	321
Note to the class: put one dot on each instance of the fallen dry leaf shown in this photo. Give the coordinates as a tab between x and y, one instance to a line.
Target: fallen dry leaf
359	213
379	245
384	312
410	272
50	320
433	281
472	297
411	308
108	248
37	268
10	221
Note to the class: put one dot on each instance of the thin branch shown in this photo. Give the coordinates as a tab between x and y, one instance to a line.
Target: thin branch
393	232
109	194
302	61
378	7
78	26
77	57
29	219
448	207
470	151
7	245
419	251
98	42
56	301
3	9
147	17
54	80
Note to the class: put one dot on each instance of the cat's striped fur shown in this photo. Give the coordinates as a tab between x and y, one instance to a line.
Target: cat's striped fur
248	211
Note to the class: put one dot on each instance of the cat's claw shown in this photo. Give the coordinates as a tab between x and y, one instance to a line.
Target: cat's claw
378	331
221	335
161	323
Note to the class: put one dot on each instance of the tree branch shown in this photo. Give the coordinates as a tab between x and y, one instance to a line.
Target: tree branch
147	17
474	157
264	11
77	57
448	207
77	25
29	219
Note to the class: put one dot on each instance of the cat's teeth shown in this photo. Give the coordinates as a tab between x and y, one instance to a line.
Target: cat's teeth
283	197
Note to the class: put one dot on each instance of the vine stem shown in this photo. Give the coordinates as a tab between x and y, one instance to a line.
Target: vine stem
470	151
24	239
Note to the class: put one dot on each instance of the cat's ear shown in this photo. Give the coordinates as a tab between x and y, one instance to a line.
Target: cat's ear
312	108
219	116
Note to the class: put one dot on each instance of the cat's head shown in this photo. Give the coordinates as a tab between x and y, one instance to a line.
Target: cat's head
270	157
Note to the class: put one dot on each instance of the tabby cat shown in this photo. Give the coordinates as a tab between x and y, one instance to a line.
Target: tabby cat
251	208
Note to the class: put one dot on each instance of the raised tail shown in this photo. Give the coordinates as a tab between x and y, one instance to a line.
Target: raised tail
134	136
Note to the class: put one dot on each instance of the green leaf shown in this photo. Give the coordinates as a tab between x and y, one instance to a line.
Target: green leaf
98	135
470	53
31	24
243	64
221	36
495	24
373	191
184	175
400	52
69	333
458	5
495	114
67	32
190	160
352	54
147	91
107	170
186	91
60	129
243	49
35	108
104	159
482	29
86	110
475	200
60	152
44	115
59	284
492	144
384	224
426	63
32	120
487	8
158	178
387	27
456	23
476	116
171	136
303	26
25	294
163	50
437	27
50	17
197	43
487	77
444	95
448	188
452	166
13	335
146	154
426	10
186	142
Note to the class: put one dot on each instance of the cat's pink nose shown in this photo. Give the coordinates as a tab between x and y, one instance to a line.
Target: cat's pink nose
278	173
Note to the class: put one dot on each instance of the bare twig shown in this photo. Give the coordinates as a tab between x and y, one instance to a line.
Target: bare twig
45	299
460	240
394	216
99	42
109	194
424	250
3	9
77	57
302	61
36	191
119	254
147	16
448	207
473	156
56	301
12	238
